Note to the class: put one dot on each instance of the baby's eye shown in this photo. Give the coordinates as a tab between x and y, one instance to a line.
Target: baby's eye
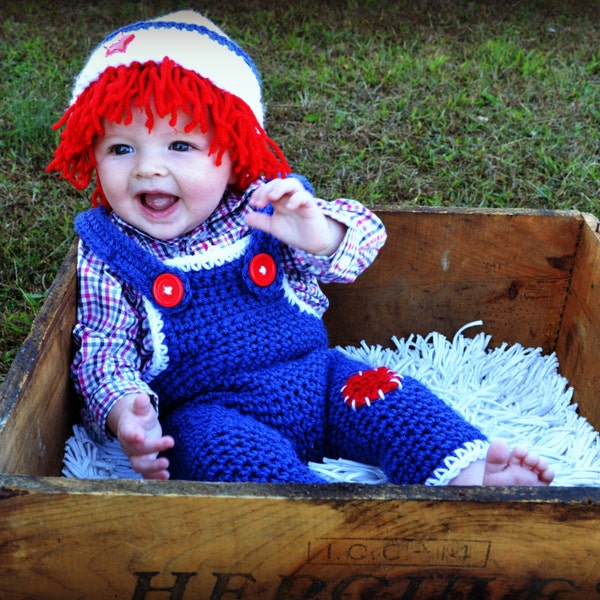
180	146
120	149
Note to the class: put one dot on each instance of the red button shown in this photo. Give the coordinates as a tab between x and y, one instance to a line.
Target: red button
168	290
263	270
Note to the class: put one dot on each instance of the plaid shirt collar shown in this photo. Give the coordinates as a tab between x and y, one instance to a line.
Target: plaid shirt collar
226	225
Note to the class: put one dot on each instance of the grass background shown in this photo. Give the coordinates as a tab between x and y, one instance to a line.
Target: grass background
463	102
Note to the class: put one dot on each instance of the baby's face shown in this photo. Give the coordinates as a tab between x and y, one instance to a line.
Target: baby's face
164	182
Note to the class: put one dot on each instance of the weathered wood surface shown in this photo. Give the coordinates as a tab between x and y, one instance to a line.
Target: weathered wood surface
68	539
441	269
35	403
578	347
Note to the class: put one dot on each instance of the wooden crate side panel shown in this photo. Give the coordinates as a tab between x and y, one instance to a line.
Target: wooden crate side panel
35	406
440	270
578	348
60	545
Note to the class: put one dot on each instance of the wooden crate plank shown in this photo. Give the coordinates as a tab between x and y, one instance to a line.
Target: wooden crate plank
35	410
578	347
78	539
443	269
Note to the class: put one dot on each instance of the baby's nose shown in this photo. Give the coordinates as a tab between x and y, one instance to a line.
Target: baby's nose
150	164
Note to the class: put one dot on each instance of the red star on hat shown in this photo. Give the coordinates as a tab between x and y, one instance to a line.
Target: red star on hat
120	44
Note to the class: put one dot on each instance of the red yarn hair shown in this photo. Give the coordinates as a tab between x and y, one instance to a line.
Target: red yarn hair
164	89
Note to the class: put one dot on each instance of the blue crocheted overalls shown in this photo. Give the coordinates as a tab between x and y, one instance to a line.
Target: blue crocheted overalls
252	391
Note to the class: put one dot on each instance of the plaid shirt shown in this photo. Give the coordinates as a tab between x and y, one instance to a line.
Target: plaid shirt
112	335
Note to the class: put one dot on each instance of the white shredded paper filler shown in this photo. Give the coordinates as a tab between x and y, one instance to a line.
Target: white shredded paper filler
510	392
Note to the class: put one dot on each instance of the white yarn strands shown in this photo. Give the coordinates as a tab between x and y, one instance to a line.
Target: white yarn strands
510	392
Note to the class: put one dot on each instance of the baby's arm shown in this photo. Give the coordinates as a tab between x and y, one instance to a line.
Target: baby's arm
297	219
134	421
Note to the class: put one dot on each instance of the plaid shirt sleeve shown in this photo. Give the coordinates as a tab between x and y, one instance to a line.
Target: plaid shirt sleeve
364	238
111	341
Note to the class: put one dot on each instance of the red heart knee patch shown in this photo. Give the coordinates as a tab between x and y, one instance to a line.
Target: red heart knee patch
365	387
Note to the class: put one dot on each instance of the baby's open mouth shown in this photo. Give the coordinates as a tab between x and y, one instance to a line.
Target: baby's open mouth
158	202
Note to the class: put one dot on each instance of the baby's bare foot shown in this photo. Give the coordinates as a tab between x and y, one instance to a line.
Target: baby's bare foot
516	467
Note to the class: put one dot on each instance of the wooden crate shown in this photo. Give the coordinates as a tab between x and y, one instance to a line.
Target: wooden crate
532	276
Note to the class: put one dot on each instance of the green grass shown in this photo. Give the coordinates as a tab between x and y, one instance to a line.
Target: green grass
466	103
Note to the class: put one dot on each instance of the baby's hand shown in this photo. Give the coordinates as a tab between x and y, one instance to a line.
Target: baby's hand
135	423
297	220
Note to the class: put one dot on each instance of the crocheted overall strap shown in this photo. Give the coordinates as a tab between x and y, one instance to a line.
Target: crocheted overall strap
144	272
240	328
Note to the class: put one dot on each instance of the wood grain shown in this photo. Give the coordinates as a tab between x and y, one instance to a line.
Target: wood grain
578	347
36	407
68	539
441	269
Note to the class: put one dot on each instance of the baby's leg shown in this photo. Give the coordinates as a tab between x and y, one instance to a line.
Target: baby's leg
505	467
214	443
408	431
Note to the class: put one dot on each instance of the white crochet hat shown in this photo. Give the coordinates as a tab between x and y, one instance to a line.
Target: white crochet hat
190	40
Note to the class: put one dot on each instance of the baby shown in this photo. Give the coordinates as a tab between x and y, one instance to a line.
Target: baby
199	336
